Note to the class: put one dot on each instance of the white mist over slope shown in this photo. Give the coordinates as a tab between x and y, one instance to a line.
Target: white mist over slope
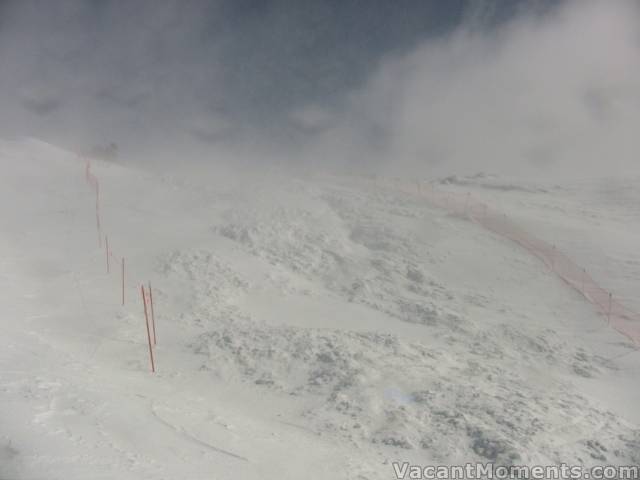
548	91
314	321
306	327
544	95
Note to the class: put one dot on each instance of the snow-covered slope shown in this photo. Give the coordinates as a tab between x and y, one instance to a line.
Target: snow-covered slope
307	328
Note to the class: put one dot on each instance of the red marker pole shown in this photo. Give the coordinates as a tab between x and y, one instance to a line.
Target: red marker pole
153	316
146	317
106	244
98	214
122	281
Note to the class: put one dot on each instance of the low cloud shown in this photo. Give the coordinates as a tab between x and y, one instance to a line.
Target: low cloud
540	88
551	93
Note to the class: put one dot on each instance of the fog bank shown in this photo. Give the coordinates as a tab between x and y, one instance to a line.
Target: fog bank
548	88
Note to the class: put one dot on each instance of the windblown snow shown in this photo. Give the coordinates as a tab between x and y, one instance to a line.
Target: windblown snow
308	327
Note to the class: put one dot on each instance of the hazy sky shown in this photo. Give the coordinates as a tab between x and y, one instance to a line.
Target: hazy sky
422	84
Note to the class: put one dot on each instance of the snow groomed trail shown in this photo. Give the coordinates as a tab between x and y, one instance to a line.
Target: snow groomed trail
146	293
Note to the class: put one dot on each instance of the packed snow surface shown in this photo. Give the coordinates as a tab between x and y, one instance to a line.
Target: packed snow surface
307	327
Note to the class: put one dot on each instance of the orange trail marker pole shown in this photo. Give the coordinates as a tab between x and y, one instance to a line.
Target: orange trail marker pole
106	243
153	317
98	214
122	281
146	317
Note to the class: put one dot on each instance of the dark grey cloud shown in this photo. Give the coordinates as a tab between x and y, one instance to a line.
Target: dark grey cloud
41	105
553	91
422	85
213	71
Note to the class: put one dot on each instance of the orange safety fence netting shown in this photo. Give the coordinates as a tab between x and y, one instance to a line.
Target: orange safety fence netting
619	317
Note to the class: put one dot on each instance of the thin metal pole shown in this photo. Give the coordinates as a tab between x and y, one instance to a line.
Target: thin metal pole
122	281
146	317
98	214
153	316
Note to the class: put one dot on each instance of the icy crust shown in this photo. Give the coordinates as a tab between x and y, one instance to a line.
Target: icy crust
464	408
363	260
470	391
306	327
